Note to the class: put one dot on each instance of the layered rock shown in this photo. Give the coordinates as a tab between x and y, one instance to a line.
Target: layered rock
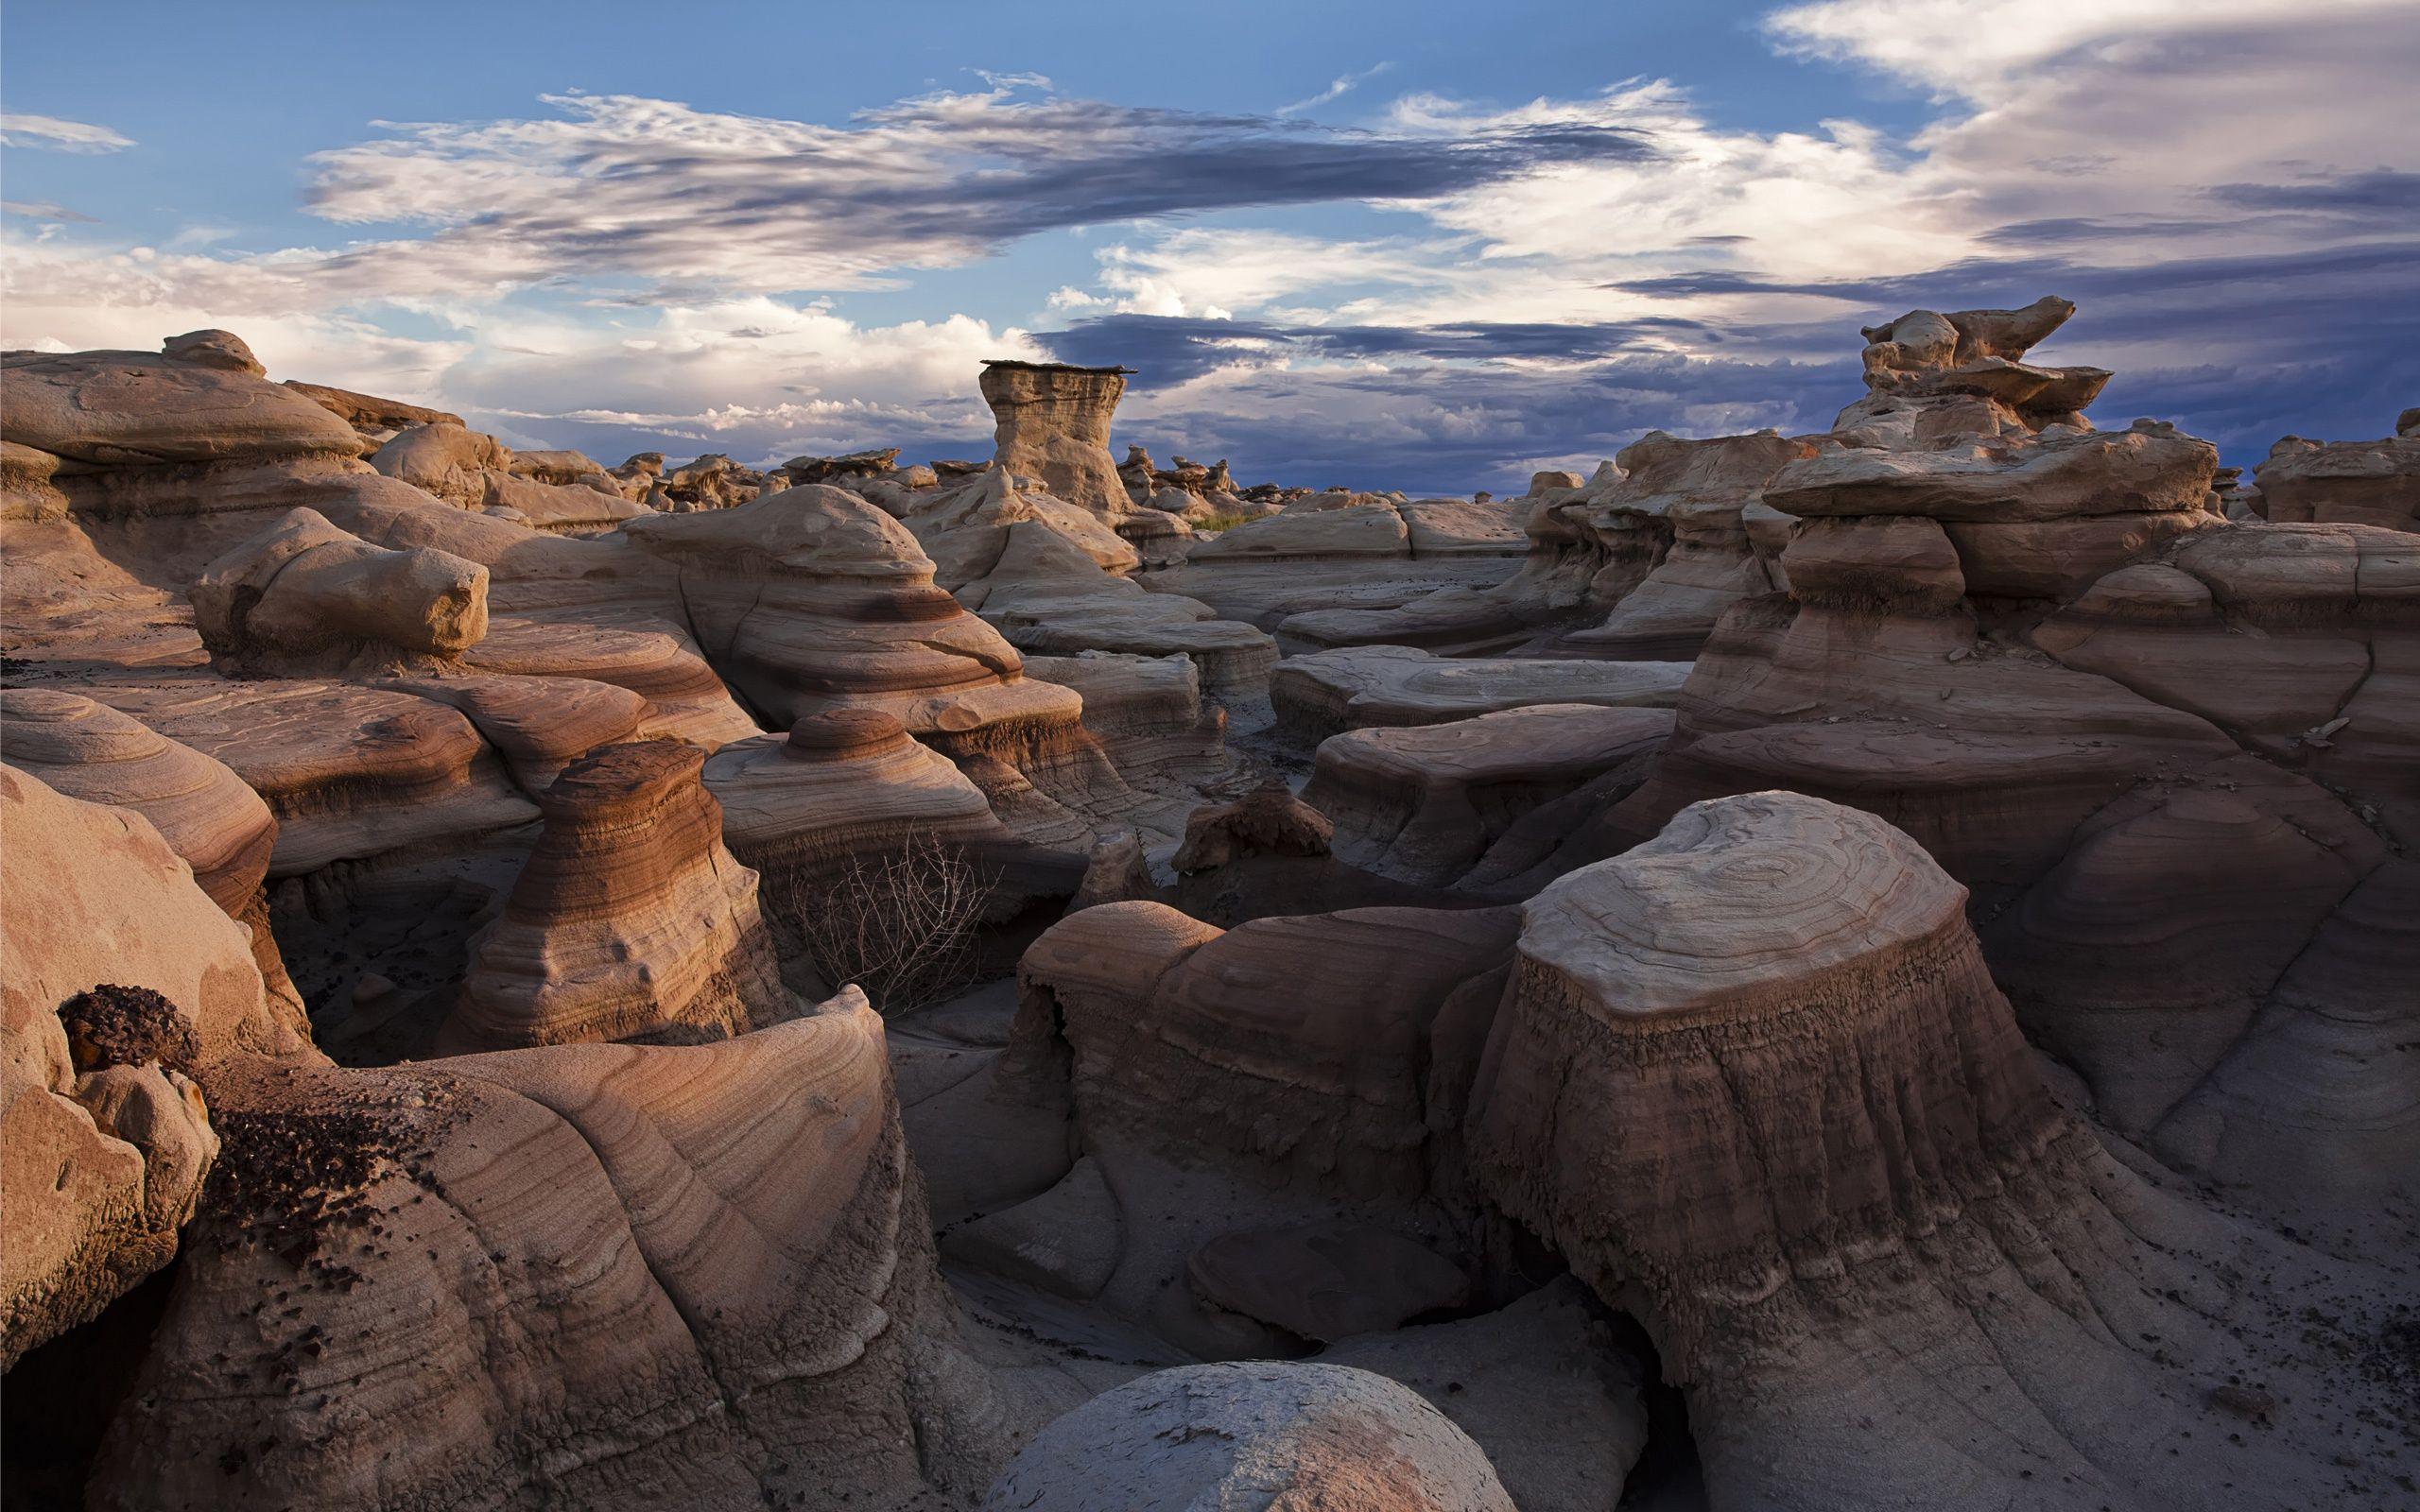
305	597
1274	1434
851	786
631	921
1635	563
1356	551
812	599
1939	1288
475	471
848	470
1930	376
1380	686
2347	483
133	409
121	982
715	1258
1052	424
205	813
1297	1047
376	420
1424	803
350	771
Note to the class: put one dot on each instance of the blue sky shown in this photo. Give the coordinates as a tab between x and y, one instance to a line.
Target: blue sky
1417	246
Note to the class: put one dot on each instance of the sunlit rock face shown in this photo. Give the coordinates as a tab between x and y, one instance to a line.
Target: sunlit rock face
123	989
1052	424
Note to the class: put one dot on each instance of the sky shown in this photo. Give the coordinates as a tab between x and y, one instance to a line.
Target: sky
1425	246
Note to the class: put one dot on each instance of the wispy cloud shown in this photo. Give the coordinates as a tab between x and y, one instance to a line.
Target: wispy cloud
1337	88
618	185
18	130
44	209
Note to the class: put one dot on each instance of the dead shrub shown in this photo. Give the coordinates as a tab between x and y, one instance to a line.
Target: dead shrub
902	925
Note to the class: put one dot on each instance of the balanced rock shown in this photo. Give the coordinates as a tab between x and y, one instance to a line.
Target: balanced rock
1052	424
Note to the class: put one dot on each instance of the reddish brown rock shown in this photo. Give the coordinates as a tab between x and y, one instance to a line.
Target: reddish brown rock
630	919
303	597
714	1258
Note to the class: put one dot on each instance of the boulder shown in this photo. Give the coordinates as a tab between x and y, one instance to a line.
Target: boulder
1265	1433
305	596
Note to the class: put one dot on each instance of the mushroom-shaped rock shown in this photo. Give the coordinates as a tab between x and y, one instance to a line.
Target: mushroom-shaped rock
842	784
306	596
1052	424
629	920
1266	1433
713	1264
1768	940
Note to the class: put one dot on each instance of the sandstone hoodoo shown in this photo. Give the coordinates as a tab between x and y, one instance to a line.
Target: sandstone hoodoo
1053	425
631	921
1861	967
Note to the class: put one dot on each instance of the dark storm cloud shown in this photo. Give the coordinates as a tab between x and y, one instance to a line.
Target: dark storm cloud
684	200
2322	343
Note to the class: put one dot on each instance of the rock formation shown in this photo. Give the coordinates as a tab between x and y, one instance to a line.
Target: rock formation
1424	803
1053	425
1858	969
631	921
2344	483
1281	1435
714	1258
120	981
1329	692
303	596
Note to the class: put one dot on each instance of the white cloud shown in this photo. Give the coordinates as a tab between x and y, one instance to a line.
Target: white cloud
1337	88
18	130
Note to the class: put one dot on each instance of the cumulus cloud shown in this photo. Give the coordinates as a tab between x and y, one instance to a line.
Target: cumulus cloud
18	130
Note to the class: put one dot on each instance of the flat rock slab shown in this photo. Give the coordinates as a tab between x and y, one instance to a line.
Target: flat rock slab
1330	691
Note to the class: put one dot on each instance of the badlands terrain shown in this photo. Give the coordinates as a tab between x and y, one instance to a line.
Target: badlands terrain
1874	969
